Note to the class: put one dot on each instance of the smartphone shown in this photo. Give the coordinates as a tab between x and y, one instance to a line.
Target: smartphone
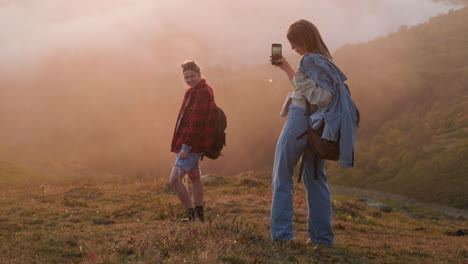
276	53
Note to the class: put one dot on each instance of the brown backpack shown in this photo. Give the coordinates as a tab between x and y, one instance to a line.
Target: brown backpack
321	148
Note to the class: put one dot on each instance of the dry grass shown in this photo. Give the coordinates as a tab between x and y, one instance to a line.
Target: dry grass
139	223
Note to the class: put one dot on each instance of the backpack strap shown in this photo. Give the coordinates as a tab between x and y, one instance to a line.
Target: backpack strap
301	168
306	152
308	113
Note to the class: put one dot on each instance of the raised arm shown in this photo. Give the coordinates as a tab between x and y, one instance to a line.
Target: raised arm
286	68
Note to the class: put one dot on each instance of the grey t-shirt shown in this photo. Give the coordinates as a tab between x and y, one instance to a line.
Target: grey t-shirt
306	89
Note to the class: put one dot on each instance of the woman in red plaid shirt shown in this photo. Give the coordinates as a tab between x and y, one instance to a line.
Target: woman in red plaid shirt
193	135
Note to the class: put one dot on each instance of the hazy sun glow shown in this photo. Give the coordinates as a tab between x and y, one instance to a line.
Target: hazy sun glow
234	32
99	82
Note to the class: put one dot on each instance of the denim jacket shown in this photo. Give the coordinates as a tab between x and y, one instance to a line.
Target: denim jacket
340	116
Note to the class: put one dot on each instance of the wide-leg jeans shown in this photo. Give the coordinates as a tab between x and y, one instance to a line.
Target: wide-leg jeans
288	152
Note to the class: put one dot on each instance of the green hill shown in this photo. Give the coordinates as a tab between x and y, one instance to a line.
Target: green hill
411	87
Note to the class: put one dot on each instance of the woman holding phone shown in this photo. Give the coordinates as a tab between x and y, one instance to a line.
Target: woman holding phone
193	135
319	83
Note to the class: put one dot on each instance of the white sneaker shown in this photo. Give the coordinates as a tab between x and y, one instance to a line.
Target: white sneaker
316	245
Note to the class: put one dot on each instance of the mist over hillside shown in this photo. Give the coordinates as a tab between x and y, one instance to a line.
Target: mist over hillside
98	85
100	89
411	87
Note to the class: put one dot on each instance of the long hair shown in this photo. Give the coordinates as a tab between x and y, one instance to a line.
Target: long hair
306	34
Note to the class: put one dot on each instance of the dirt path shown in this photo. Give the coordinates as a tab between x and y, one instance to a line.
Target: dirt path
345	190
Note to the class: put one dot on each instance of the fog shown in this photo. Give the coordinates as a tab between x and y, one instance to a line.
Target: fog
98	83
235	32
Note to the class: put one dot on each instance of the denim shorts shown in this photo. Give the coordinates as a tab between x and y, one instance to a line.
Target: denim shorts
190	163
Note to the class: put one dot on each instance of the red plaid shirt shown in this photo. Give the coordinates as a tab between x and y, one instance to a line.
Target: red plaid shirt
196	128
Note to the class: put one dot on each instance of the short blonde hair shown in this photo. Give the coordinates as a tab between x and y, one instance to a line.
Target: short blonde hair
190	65
306	34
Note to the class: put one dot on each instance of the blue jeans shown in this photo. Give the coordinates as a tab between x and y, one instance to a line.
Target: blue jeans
288	152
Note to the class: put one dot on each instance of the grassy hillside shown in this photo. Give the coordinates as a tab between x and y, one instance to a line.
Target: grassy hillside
411	88
139	223
422	155
28	167
11	173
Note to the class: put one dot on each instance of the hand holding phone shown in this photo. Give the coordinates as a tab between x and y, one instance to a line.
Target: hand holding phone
276	53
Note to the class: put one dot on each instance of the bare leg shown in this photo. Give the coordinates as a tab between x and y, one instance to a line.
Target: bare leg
197	186
181	190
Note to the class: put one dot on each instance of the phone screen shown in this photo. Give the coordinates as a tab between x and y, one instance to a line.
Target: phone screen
276	53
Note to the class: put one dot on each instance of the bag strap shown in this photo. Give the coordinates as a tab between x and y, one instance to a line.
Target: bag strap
301	168
308	113
188	102
308	110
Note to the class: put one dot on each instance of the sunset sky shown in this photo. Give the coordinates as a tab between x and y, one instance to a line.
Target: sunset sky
233	31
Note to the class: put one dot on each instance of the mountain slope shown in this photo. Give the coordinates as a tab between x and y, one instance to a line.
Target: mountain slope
411	88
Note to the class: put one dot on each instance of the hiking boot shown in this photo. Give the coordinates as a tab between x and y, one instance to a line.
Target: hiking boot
190	215
199	213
